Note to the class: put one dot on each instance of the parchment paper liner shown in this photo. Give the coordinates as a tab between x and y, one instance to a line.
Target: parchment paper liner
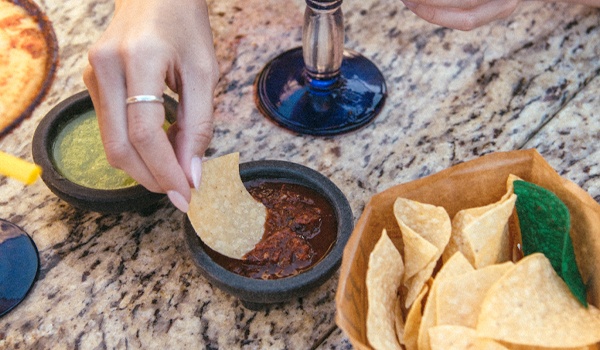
470	184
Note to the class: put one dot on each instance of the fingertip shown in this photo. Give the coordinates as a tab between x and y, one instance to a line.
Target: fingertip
178	200
409	4
191	143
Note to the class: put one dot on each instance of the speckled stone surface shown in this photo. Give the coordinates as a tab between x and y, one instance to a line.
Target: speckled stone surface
126	281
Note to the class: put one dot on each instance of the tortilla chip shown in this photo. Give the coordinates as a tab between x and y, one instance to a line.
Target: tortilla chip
481	233
418	252
416	282
459	299
455	266
413	320
510	188
458	338
399	320
384	276
223	213
531	305
525	347
425	232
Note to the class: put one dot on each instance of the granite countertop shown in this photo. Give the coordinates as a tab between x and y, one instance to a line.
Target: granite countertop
126	280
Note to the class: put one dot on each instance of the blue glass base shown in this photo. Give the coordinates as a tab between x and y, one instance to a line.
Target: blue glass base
19	263
321	107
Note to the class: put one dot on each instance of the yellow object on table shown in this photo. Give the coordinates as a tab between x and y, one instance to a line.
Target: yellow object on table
19	169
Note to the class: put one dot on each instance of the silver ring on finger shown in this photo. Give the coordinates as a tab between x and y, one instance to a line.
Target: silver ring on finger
144	98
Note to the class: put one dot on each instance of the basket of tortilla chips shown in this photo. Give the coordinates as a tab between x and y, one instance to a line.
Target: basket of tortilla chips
495	253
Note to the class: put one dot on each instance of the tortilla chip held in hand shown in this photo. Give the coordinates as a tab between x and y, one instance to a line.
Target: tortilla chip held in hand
223	213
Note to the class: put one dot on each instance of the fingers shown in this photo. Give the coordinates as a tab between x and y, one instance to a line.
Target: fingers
463	4
145	121
194	79
461	15
136	56
194	124
106	84
132	134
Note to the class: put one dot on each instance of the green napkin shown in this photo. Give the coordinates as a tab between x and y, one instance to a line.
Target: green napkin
545	223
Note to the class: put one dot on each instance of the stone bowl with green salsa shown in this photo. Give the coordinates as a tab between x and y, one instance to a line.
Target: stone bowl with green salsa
68	147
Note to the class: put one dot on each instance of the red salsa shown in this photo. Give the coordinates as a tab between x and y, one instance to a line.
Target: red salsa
300	229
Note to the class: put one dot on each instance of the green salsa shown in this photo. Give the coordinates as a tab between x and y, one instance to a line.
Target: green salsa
79	155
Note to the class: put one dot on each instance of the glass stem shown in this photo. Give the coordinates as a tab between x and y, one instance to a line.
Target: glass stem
323	42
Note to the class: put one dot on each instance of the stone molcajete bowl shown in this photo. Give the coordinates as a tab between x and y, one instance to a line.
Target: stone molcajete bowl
255	293
133	198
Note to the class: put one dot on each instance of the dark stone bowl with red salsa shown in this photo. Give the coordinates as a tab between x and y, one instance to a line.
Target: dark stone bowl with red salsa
309	221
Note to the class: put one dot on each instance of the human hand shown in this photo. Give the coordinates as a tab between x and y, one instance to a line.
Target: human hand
462	14
150	43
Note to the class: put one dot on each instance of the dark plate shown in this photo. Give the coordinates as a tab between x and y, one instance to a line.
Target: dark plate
51	65
134	198
254	293
19	264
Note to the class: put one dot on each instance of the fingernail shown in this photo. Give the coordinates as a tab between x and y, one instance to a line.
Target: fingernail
196	169
410	5
178	201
